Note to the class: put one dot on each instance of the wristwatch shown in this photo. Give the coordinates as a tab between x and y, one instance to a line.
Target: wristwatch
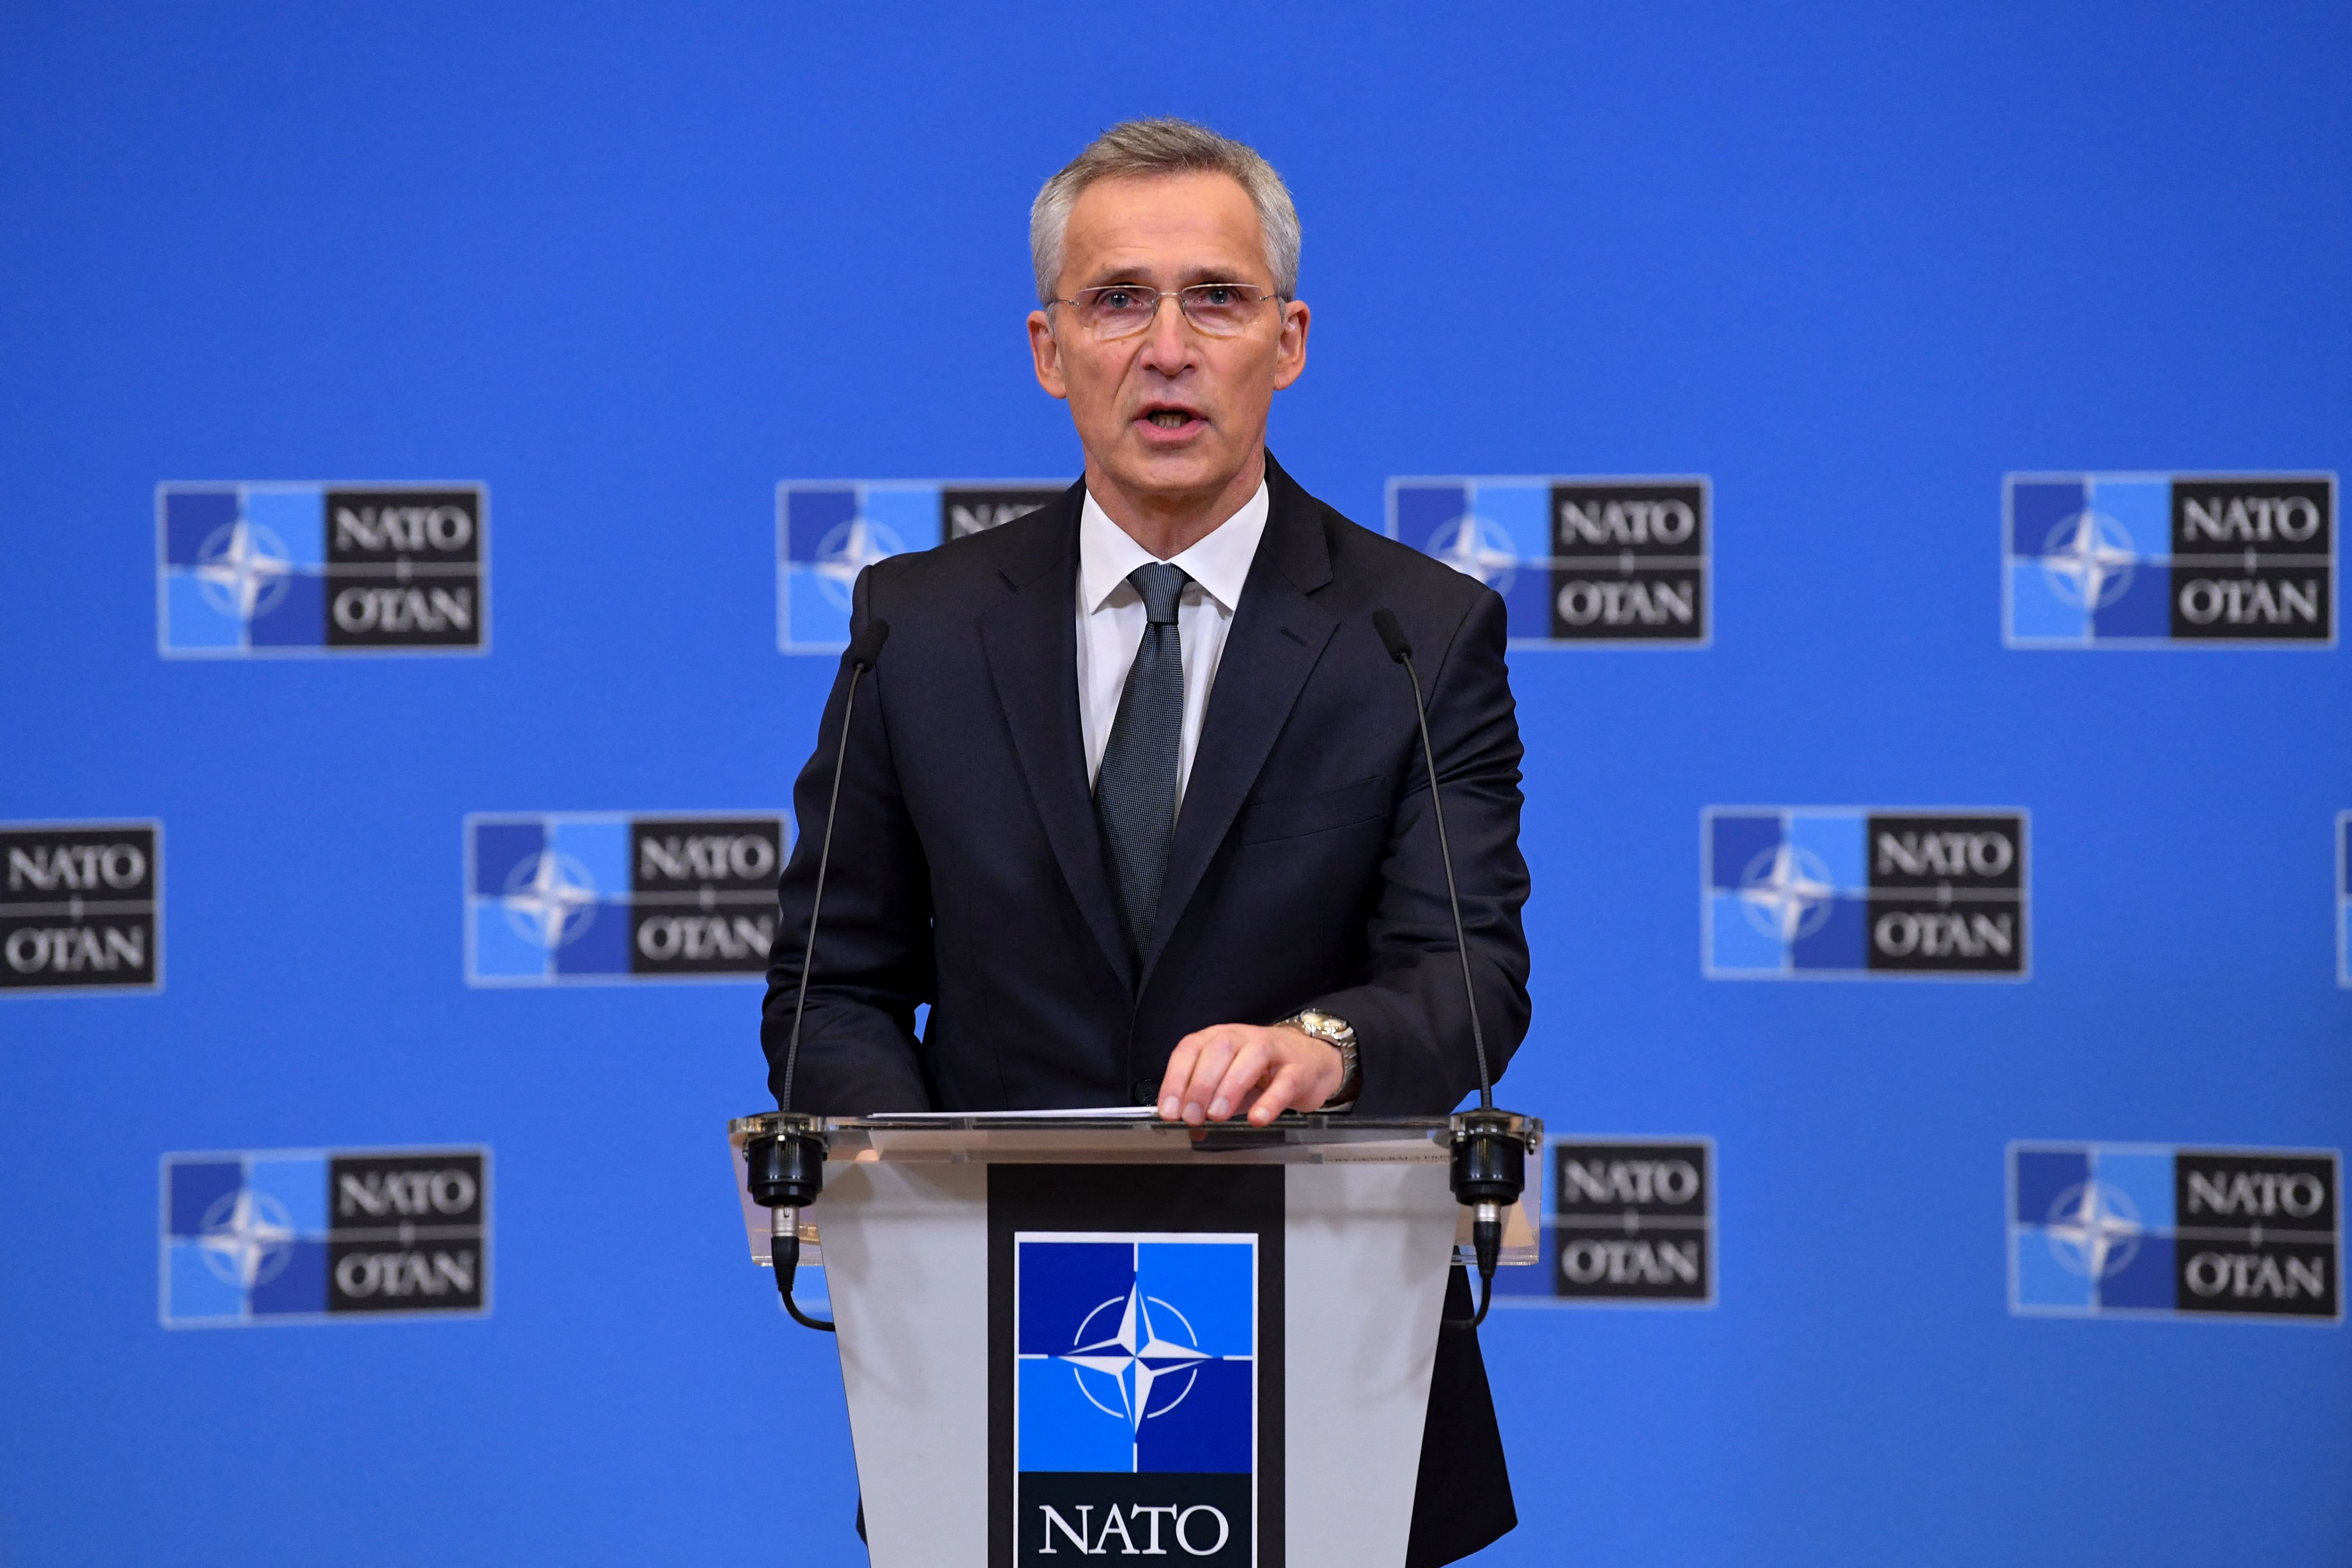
1338	1033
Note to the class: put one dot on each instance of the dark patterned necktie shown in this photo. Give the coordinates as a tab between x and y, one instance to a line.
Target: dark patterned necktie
1135	788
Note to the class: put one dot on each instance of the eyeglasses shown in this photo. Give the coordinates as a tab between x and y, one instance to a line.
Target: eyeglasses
1123	310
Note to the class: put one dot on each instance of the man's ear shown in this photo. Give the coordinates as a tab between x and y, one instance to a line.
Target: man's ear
1047	352
1290	356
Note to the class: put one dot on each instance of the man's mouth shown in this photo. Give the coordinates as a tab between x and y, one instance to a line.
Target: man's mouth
1171	418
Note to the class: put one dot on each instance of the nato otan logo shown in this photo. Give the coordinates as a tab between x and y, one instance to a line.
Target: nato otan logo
252	570
2344	899
81	906
1136	1396
1577	561
2140	1229
1818	893
2156	559
827	532
568	897
1632	1224
311	1235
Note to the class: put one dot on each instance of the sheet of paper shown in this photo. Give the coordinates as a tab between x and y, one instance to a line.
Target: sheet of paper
1082	1113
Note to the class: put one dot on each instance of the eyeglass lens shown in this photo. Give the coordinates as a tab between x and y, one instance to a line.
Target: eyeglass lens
1219	310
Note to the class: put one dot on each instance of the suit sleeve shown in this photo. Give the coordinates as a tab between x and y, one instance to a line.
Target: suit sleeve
873	963
1411	1022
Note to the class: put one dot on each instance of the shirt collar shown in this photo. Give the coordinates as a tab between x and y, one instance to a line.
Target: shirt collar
1220	561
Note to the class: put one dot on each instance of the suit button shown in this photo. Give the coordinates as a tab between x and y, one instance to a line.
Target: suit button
1147	1089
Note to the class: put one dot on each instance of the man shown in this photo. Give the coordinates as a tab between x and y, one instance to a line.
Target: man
1135	799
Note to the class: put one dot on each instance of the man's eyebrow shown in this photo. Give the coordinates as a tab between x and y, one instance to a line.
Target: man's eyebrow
1111	277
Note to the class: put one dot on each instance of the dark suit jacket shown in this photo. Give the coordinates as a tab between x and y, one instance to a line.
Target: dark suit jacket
967	874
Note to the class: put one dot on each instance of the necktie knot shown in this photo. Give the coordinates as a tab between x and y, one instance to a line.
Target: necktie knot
1161	586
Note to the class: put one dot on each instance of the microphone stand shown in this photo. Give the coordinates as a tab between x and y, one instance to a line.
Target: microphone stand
1490	1146
787	1164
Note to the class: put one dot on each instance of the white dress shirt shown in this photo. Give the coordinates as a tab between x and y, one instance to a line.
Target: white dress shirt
1111	619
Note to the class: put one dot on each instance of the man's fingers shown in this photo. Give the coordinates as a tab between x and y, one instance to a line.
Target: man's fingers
1178	1074
1279	1095
1240	1078
1215	1049
1184	1071
1218	1072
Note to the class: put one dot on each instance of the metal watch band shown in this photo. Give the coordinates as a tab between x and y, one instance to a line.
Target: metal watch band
1338	1033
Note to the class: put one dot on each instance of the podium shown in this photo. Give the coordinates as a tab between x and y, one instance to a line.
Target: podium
1069	1337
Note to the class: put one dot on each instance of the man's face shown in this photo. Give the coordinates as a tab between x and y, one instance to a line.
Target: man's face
1169	412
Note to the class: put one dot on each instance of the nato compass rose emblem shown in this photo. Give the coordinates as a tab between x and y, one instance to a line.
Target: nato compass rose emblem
1126	1364
243	569
847	549
1476	548
2093	1229
1787	892
550	900
245	1237
2089	559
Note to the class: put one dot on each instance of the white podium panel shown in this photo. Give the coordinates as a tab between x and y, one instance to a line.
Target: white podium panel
1369	1248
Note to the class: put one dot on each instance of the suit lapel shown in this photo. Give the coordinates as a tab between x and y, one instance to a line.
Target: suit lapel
1030	640
1277	636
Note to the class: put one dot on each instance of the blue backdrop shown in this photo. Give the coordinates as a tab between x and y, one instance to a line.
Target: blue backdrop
632	270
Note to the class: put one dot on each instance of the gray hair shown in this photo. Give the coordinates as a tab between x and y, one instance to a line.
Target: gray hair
1139	149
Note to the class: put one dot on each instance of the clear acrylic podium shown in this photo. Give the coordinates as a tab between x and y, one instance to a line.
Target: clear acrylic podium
1066	1336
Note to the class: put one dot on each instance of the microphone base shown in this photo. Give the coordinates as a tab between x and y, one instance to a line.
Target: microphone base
1490	1156
786	1161
1489	1172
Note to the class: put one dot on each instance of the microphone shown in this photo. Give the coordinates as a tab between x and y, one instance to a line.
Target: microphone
1490	1146
787	1164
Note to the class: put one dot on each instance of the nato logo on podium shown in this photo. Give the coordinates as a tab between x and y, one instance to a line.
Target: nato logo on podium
1136	1400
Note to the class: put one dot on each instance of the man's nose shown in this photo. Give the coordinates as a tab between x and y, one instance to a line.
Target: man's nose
1169	342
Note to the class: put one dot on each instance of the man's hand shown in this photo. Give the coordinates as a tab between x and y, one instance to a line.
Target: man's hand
1216	1071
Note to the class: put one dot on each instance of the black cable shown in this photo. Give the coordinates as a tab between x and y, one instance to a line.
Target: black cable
784	1252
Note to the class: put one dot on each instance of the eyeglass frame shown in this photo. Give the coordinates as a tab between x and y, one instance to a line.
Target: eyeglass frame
1272	296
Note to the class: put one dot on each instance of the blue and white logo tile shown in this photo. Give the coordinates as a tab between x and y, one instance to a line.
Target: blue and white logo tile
1628	1222
2141	1229
827	532
561	898
82	908
2126	560
1577	561
1822	892
258	569
1136	1400
266	1237
2344	898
